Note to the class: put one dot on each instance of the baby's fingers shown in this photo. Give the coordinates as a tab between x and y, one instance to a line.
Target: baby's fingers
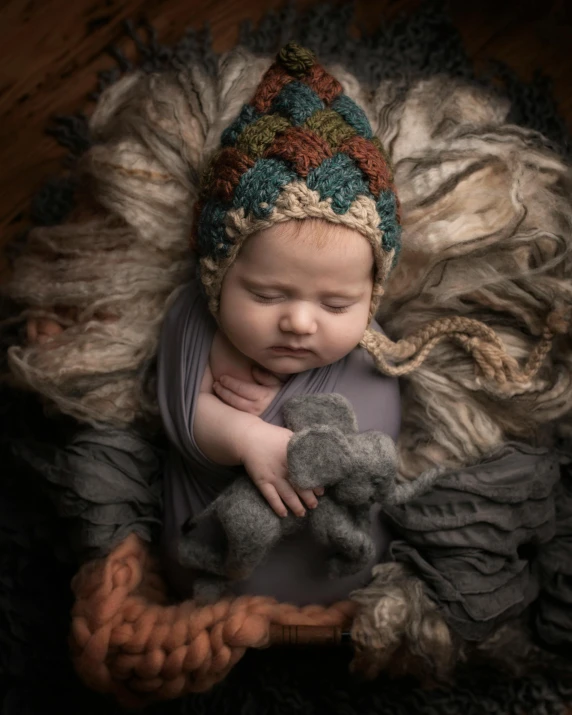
290	497
248	390
269	492
308	497
277	495
233	399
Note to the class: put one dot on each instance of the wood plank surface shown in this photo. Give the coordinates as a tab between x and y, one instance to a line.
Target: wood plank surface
51	52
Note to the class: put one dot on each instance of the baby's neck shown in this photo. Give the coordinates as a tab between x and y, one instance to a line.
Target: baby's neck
230	359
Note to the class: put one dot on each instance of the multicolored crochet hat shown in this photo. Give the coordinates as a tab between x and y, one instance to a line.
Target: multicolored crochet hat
300	148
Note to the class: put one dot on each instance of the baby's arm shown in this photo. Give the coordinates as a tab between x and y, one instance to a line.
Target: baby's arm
230	437
219	428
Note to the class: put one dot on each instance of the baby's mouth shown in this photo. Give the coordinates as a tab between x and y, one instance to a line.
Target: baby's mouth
287	349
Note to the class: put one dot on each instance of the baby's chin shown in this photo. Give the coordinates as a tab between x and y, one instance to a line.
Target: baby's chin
284	365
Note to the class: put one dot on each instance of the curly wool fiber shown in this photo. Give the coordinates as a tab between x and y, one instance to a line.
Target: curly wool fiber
394	609
124	259
486	237
487	227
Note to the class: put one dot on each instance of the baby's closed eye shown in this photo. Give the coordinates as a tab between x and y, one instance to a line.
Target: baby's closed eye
272	299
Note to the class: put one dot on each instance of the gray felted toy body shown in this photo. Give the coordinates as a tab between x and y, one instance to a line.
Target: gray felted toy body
326	450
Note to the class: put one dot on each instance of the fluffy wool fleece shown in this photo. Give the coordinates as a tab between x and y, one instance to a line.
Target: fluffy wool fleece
487	230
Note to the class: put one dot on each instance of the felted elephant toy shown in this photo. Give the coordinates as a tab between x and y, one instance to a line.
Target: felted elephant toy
326	450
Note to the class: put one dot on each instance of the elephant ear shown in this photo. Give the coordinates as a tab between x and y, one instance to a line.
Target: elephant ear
305	411
318	457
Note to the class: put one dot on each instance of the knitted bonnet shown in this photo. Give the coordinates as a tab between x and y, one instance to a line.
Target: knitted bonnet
300	148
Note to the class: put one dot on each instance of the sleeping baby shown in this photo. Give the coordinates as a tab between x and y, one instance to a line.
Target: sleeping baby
296	298
296	230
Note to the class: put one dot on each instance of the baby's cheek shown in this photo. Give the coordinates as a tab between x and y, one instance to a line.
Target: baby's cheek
261	323
343	338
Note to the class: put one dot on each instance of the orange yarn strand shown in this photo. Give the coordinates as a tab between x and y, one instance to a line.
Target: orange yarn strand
142	650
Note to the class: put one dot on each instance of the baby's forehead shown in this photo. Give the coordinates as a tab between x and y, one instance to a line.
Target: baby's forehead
317	226
315	249
308	244
316	232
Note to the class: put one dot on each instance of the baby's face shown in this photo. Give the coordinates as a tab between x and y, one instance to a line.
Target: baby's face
291	304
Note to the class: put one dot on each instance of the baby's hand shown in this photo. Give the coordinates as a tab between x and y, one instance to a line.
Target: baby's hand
264	458
248	396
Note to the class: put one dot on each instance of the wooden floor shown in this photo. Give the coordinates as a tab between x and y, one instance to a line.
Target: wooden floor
51	51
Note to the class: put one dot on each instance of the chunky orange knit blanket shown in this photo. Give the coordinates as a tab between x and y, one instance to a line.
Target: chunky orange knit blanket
128	639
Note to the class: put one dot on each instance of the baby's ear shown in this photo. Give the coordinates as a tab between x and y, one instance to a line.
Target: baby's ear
313	410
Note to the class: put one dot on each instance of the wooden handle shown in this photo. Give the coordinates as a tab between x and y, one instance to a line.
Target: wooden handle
308	635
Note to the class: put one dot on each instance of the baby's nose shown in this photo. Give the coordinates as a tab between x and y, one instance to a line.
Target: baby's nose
299	319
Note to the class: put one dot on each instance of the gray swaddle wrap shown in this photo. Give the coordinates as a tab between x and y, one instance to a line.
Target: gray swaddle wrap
474	537
296	568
